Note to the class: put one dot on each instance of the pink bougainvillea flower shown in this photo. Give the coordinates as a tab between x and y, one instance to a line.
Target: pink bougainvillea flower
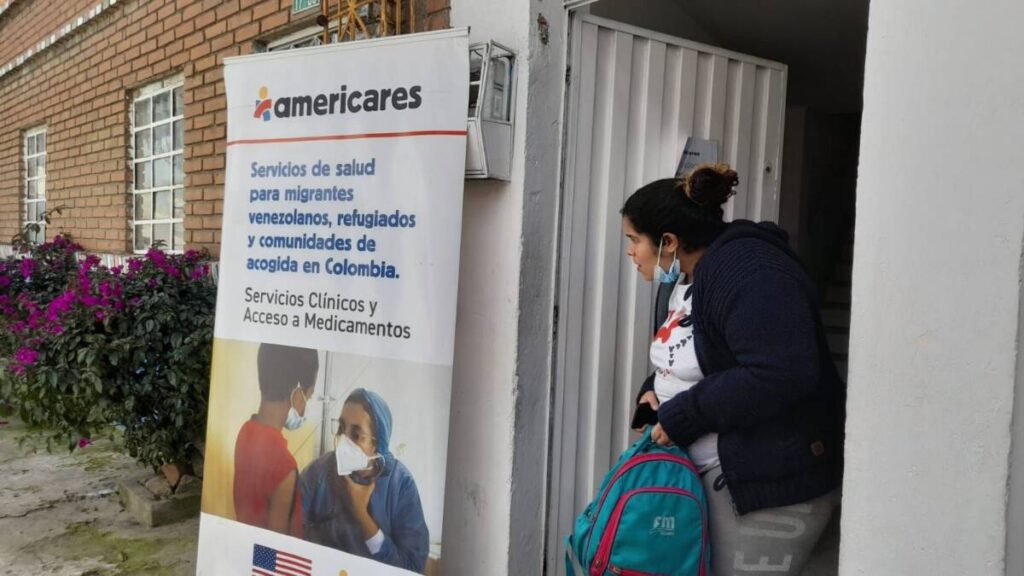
134	265
26	356
83	442
116	270
60	305
5	281
28	266
156	256
25	300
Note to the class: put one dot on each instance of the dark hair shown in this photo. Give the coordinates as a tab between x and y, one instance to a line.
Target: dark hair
690	208
282	367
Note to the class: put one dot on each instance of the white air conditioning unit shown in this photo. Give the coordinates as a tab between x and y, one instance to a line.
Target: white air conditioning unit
491	106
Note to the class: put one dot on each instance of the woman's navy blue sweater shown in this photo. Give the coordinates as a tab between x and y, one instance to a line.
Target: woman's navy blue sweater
770	390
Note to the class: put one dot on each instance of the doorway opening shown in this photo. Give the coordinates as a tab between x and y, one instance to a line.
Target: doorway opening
800	170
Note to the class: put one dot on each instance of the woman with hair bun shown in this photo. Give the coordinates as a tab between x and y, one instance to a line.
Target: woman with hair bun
743	375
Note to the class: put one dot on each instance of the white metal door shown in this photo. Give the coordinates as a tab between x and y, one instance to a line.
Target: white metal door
635	96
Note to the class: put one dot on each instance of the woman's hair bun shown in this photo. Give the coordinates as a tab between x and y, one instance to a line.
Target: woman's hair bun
711	185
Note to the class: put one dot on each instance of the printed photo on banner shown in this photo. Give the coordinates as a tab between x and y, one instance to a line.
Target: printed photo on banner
338	450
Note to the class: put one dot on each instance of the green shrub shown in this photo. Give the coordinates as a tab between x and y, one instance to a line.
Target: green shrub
88	347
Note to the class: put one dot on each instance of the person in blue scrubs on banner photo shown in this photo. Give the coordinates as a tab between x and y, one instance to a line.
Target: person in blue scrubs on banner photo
359	498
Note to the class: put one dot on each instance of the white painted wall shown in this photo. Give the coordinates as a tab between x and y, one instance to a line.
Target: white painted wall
1015	510
497	455
493	522
940	218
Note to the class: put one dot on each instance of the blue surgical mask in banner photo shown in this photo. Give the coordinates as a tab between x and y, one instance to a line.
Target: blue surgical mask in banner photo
295	421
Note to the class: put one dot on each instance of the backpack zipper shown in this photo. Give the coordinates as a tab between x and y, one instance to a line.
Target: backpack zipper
629	465
627	572
604	551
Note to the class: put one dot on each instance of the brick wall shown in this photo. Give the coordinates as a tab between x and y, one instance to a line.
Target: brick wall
81	88
25	23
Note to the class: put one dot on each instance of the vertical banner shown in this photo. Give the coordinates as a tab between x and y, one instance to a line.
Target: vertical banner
332	364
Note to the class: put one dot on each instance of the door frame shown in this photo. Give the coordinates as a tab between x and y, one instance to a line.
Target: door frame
565	415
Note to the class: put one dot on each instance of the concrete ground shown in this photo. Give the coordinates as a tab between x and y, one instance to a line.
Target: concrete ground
60	515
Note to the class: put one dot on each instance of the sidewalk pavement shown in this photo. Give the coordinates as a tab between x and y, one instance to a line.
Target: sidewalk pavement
60	515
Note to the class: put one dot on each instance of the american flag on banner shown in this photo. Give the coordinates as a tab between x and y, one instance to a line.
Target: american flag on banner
269	562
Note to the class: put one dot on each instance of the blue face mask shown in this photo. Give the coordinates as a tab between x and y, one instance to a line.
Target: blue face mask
660	275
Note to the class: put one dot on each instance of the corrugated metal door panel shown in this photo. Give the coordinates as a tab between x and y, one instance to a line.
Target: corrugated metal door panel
569	344
738	132
601	278
634	98
635	296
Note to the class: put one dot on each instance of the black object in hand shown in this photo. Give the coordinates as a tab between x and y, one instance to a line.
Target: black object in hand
644	416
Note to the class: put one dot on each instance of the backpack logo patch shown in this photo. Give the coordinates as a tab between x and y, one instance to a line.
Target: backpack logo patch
664	526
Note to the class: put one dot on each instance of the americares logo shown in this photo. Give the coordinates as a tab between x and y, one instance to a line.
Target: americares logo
263	105
343	101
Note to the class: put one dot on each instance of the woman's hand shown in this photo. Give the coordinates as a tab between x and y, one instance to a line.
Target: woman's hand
651	398
660	437
360	494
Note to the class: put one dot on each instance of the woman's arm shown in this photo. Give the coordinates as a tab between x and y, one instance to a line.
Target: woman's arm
408	544
770	326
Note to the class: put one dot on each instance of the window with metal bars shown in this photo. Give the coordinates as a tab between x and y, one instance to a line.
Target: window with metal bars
158	166
34	210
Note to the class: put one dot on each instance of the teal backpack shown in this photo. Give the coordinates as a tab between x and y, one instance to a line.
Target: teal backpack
649	518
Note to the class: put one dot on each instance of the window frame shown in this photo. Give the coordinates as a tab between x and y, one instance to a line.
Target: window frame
292	41
175	183
39	180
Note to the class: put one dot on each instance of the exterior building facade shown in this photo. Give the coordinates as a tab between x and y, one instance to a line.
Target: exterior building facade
114	112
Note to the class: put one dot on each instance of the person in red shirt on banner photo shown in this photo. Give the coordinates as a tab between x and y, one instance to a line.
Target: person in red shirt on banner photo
266	491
